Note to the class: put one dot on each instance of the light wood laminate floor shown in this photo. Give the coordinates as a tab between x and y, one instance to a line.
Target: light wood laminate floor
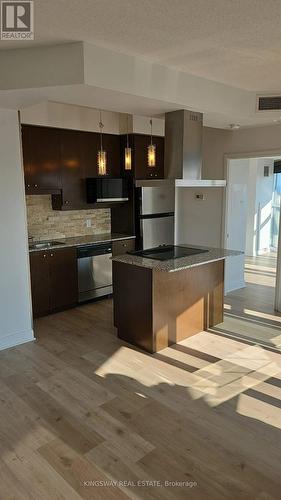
79	407
249	312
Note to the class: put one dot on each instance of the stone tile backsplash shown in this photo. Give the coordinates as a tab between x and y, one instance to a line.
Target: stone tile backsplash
44	223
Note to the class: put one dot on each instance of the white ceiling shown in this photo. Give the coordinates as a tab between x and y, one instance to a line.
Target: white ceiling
88	75
237	42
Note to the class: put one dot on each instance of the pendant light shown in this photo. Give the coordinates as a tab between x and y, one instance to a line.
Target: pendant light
151	150
101	153
128	151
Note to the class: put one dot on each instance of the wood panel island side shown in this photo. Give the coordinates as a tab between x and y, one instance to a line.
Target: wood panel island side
157	304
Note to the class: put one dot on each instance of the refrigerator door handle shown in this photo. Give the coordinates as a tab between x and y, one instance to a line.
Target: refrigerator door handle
157	216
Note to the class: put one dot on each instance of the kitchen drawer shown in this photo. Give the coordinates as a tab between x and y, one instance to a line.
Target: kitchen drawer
122	246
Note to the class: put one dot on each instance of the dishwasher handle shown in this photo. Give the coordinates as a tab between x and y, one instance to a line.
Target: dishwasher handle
92	250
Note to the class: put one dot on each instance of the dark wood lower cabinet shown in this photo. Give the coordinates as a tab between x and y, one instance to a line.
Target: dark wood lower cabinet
155	309
54	280
122	246
40	283
63	278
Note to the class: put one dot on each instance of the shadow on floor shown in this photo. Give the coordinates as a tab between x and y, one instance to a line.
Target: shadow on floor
80	405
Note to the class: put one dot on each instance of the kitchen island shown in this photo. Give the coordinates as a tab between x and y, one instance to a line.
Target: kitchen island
159	303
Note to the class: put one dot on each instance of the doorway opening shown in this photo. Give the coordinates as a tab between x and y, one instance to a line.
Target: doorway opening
252	222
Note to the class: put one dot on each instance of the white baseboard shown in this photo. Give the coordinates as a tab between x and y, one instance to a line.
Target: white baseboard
16	339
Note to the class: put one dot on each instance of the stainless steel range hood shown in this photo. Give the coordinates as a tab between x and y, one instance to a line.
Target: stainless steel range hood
183	149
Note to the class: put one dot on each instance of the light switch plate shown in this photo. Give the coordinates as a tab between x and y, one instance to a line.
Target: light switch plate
88	223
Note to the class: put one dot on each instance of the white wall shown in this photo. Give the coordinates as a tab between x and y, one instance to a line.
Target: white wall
263	207
42	66
128	74
217	143
236	222
248	214
54	114
193	214
15	300
250	248
79	72
141	125
259	203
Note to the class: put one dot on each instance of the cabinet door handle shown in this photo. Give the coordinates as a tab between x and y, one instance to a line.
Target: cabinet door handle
36	185
44	256
52	255
28	185
66	202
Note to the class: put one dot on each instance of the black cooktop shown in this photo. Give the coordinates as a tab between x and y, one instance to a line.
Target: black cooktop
168	252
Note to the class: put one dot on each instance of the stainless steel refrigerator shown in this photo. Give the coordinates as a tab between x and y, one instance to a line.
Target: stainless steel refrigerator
155	206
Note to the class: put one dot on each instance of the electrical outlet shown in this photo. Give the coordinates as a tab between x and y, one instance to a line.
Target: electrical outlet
88	223
200	196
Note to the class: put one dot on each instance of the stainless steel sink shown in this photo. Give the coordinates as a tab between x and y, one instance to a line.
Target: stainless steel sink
44	245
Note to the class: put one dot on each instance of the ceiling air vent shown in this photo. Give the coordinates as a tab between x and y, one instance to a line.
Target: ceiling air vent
269	103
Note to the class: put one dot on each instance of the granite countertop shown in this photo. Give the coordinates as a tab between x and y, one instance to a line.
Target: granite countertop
212	255
83	240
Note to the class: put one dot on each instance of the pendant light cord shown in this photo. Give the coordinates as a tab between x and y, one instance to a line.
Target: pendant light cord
150	131
101	127
127	130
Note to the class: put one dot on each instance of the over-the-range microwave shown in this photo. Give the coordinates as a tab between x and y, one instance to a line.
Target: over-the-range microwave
107	189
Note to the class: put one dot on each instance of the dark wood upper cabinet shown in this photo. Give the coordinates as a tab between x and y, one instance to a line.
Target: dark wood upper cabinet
111	144
79	152
139	144
54	281
89	146
58	161
79	160
72	170
41	159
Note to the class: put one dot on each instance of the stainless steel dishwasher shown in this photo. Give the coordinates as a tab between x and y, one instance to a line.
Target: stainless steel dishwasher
94	271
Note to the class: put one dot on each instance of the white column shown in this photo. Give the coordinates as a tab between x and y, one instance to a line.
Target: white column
15	297
278	274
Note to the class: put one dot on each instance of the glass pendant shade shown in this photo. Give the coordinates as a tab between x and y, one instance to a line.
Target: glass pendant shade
128	151
151	155
151	150
128	158
102	162
102	170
